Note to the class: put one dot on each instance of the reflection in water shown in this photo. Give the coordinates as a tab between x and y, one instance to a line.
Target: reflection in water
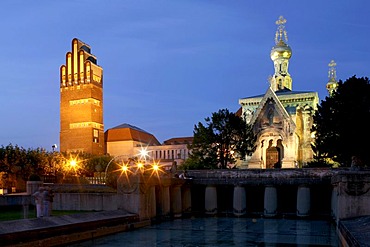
225	232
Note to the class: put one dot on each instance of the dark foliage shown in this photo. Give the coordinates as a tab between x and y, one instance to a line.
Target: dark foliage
341	124
217	144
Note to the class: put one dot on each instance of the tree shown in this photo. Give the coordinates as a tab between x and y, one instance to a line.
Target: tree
341	123
18	163
217	144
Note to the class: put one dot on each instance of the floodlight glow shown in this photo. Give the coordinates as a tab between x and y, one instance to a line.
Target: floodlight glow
155	167
124	168
73	163
144	153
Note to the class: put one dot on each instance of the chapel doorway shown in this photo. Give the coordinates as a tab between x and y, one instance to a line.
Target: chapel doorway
273	158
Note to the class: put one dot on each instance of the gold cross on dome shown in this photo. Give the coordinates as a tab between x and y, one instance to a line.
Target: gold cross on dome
332	63
280	21
281	33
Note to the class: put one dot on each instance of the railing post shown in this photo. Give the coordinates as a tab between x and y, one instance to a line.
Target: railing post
165	201
270	201
211	200
186	199
303	200
239	201
176	205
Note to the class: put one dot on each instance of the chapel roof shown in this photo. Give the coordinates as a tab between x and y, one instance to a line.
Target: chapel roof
282	92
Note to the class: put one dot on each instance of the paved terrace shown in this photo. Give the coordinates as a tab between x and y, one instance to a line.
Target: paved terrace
62	230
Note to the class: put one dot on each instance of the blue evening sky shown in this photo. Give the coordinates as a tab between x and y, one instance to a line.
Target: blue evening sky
168	64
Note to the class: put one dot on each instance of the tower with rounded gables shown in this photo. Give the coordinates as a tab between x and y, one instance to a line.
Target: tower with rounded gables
81	102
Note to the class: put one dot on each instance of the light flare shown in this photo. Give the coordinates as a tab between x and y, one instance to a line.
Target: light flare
143	153
155	169
73	164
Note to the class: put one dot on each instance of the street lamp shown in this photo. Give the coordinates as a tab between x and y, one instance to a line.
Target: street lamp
54	146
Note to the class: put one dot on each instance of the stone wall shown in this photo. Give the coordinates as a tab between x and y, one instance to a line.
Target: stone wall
350	195
85	201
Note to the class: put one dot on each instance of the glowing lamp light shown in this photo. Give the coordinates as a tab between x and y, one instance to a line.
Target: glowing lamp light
143	153
124	168
155	167
140	165
73	163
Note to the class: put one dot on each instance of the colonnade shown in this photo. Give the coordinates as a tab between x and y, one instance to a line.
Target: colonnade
270	200
155	200
169	201
173	200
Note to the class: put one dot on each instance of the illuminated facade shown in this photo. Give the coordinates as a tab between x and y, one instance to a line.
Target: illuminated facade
332	84
81	102
281	118
127	140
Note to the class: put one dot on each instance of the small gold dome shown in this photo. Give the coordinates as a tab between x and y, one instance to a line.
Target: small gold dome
281	50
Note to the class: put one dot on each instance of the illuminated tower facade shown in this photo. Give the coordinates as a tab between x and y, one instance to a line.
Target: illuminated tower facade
280	55
332	84
81	102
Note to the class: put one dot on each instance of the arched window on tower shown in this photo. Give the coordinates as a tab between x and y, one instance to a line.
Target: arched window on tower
63	75
88	72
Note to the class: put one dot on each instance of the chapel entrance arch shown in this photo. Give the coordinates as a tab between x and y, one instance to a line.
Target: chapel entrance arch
273	158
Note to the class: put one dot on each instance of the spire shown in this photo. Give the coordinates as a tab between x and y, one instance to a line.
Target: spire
281	34
280	55
332	84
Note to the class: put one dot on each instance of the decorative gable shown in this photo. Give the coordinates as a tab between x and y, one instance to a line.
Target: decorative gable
271	114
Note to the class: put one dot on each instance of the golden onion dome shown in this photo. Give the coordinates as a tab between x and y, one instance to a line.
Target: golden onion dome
281	50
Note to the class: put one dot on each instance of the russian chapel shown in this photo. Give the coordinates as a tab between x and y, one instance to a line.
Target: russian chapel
281	118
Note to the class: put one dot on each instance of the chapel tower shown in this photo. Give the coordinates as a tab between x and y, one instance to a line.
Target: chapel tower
332	84
81	102
280	55
281	118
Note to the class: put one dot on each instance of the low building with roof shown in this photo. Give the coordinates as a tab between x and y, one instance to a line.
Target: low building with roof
130	141
126	139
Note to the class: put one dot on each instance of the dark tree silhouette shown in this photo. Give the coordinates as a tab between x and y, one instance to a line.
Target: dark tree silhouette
341	124
218	143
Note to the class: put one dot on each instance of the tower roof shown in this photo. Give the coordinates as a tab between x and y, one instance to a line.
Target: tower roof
127	132
332	84
281	48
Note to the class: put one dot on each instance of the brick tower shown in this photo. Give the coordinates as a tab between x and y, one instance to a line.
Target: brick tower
81	102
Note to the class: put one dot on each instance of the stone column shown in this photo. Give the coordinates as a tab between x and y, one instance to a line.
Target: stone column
239	201
152	207
165	201
334	202
303	200
137	197
270	201
186	199
176	205
211	200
